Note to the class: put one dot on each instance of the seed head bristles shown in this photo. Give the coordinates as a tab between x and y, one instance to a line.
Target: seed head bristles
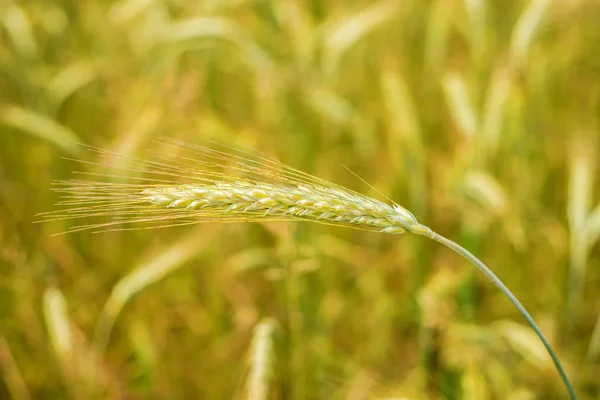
232	185
223	187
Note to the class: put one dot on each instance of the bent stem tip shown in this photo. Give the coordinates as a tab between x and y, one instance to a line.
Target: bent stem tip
498	283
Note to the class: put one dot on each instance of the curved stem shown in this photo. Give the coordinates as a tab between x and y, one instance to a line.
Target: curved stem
496	281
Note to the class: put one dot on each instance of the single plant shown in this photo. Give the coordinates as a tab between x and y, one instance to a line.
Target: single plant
233	185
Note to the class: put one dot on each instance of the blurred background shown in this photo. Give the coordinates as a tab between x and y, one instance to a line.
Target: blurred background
481	117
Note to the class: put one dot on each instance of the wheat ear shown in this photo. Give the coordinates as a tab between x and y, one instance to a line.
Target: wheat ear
232	185
262	359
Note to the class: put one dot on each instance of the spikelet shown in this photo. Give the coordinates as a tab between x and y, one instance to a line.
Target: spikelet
223	186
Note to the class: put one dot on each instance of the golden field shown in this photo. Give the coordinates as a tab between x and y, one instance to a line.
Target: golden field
480	117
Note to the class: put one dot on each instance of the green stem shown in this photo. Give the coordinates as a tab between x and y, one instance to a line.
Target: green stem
496	281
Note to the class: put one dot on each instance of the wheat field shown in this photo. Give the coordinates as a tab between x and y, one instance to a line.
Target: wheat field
480	117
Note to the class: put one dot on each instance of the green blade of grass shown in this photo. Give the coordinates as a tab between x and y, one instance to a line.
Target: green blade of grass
498	283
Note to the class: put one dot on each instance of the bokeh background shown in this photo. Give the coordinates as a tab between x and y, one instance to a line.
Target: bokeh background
480	116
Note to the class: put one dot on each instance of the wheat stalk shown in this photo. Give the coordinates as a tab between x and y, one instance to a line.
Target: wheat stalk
232	185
